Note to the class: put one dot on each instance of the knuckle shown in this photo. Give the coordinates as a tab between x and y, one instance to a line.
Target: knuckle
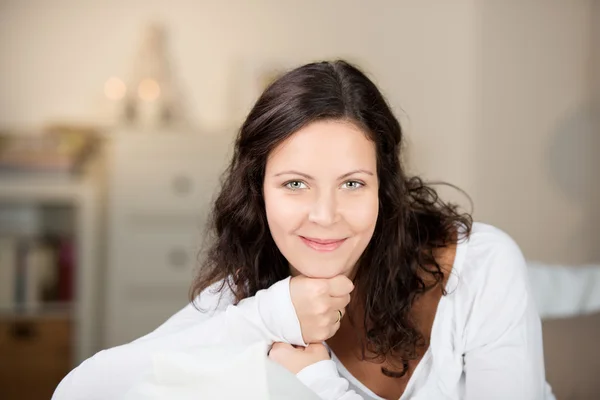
319	287
321	309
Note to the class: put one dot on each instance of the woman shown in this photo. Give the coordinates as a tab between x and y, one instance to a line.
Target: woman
365	282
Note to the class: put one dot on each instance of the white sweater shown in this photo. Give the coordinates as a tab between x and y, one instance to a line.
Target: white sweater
486	340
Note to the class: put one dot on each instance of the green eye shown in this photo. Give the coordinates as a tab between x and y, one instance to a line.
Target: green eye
295	185
352	185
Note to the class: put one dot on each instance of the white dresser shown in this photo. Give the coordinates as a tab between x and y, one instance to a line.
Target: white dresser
159	188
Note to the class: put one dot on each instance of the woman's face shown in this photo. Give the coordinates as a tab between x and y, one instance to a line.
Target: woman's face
321	198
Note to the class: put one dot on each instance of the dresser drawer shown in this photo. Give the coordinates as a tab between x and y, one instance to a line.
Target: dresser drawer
185	185
25	339
156	256
35	354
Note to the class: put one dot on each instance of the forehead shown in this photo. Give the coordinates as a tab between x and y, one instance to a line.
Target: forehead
324	146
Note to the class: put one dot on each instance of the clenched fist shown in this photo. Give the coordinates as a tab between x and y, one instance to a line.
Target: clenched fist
318	304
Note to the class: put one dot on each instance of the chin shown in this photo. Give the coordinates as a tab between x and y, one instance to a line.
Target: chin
322	273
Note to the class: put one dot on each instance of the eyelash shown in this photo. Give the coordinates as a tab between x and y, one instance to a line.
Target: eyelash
287	184
359	183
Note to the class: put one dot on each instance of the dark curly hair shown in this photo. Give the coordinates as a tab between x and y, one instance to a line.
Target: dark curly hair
412	226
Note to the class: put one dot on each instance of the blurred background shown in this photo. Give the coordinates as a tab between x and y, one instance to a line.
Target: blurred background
117	117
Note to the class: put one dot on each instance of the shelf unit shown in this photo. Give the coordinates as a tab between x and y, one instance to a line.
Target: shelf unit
82	195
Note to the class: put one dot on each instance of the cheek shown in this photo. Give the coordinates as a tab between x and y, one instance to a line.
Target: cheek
283	213
362	215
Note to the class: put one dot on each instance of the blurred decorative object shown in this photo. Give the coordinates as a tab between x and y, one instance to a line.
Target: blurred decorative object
574	166
20	219
153	101
57	149
115	91
573	159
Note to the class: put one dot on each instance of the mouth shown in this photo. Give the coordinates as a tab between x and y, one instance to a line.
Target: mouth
324	245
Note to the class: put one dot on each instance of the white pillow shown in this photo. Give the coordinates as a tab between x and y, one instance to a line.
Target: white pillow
565	291
219	373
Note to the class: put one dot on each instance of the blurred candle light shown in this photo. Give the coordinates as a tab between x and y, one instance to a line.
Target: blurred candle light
114	89
150	108
148	90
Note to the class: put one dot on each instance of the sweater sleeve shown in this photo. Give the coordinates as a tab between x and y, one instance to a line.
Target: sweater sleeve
269	316
323	378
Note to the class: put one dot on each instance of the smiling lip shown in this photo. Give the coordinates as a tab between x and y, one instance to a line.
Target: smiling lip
322	244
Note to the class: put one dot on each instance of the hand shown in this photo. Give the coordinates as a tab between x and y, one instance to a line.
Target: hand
317	302
295	359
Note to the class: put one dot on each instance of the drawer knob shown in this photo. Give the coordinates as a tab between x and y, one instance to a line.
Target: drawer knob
178	258
23	331
182	185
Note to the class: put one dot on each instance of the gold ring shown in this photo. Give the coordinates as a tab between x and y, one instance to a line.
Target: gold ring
340	315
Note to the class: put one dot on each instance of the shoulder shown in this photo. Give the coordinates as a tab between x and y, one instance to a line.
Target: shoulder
490	257
488	239
493	291
216	297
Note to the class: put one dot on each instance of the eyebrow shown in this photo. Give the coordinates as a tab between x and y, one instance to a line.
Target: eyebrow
358	171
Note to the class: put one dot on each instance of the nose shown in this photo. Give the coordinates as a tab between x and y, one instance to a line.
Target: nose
324	210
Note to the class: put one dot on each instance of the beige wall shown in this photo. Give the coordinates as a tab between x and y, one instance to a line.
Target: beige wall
534	153
595	47
595	77
484	88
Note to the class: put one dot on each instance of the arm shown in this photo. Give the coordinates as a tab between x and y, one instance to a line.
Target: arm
314	368
503	340
269	316
324	379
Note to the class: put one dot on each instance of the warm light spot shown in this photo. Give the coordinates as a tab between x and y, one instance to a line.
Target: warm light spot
114	89
148	90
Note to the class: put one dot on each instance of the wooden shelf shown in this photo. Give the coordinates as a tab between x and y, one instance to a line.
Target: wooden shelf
48	310
43	189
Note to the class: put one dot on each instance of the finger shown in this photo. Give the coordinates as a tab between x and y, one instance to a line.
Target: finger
340	285
336	319
337	303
